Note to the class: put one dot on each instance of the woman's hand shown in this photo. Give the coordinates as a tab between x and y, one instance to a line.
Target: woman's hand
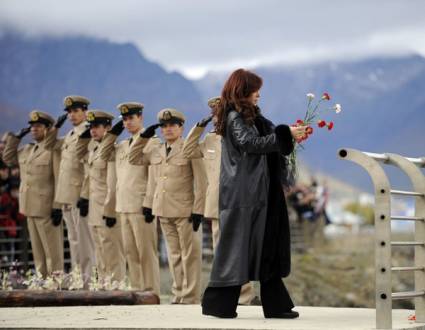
298	132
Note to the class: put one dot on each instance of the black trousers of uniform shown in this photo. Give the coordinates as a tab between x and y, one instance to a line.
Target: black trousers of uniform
223	301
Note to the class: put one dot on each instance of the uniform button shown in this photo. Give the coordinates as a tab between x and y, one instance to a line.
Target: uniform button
163	191
165	177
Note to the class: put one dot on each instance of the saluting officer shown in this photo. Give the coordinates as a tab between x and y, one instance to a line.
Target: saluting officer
110	259
69	188
210	151
140	238
176	195
39	167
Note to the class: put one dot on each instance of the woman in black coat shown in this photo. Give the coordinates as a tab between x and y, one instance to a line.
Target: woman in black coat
254	240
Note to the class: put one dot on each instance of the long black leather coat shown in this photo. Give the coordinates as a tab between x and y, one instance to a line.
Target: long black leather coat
254	229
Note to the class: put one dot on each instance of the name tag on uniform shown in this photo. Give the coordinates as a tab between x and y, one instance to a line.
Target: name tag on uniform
211	150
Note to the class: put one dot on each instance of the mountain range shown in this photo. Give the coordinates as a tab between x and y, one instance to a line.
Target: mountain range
383	104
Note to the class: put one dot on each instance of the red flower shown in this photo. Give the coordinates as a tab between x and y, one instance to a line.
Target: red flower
300	122
309	130
330	125
326	96
321	123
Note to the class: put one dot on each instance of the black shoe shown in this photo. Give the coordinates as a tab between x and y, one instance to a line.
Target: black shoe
222	316
284	315
221	301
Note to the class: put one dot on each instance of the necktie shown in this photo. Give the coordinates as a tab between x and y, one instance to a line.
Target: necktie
167	150
72	132
130	141
34	150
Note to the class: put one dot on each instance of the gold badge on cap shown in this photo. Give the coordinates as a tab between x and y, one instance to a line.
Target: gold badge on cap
68	102
35	116
124	109
166	115
90	116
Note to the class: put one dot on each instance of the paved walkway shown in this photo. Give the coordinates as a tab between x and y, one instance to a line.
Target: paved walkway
189	317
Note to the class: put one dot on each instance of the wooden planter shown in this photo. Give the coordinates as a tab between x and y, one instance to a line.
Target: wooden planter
34	298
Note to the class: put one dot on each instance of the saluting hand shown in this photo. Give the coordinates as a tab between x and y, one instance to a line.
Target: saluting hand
204	122
83	205
23	132
196	220
61	119
110	222
147	212
86	134
149	132
117	128
56	216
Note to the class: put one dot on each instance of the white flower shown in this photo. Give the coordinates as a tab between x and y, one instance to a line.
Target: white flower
337	108
310	96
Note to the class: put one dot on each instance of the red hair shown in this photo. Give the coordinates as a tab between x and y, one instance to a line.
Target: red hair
236	91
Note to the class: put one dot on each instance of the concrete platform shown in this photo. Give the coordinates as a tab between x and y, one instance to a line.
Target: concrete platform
189	317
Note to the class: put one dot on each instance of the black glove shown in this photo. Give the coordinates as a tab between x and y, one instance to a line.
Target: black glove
149	132
110	222
56	216
23	132
147	212
83	205
117	128
61	119
196	220
204	122
86	134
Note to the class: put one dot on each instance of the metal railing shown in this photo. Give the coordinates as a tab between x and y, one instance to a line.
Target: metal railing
371	162
17	251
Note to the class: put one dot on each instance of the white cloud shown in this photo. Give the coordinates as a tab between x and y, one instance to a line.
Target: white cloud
194	36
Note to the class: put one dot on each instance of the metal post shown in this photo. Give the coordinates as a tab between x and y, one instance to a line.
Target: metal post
382	234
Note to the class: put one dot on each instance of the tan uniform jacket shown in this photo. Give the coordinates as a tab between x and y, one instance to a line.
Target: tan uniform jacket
131	177
176	186
100	181
210	151
71	171
39	167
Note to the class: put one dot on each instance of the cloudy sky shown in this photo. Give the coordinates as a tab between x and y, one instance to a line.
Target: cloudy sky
196	36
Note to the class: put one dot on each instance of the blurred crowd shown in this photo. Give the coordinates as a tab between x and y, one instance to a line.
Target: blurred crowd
10	218
309	200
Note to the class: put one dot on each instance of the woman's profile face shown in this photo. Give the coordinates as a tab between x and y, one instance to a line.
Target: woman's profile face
254	97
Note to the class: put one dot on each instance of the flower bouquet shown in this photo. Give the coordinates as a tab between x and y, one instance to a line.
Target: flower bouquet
311	117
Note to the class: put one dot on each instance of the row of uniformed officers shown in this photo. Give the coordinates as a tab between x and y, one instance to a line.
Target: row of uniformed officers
111	194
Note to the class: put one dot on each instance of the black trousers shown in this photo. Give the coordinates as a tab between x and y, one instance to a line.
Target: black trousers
223	301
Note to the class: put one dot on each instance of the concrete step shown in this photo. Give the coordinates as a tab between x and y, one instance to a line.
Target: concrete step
190	317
